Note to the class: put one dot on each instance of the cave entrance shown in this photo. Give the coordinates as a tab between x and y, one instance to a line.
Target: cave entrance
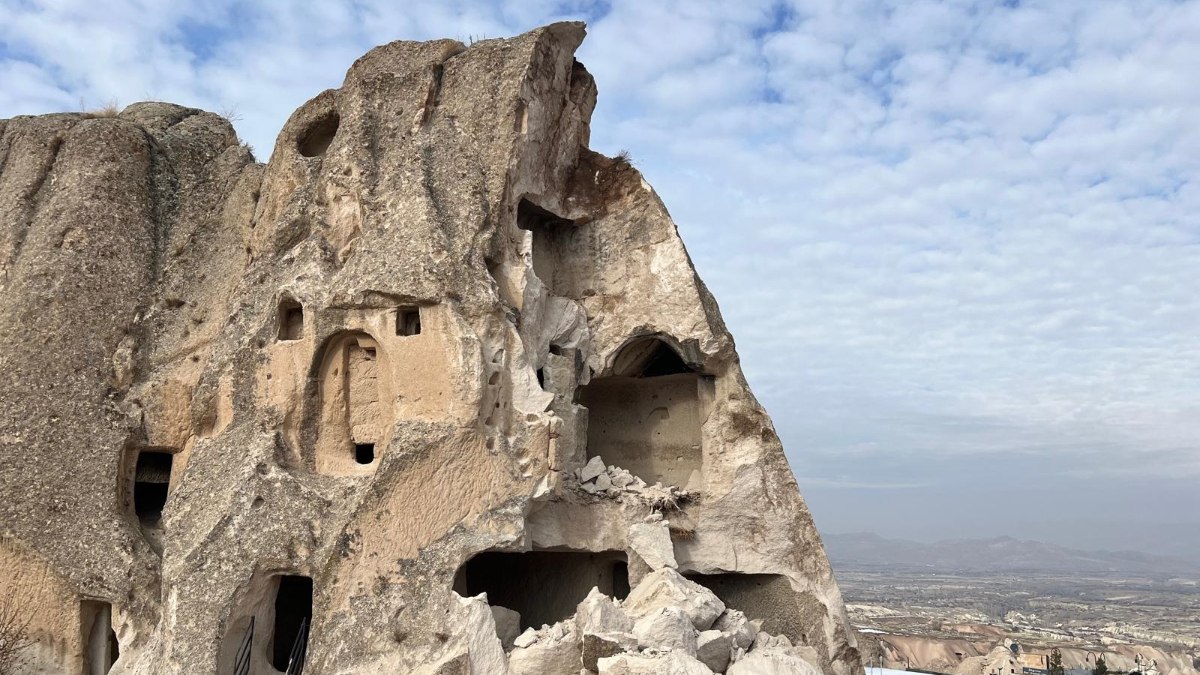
101	649
543	586
293	614
151	486
646	416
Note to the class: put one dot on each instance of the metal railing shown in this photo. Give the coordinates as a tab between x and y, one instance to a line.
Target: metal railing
299	651
241	662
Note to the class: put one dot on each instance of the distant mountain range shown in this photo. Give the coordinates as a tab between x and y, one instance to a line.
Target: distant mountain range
1002	554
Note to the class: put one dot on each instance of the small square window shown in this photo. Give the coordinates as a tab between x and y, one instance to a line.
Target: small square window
408	321
291	320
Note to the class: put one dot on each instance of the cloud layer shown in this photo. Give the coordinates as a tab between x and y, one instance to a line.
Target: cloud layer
944	233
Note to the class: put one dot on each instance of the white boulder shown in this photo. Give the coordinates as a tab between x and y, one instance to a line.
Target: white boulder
508	625
714	649
668	588
771	662
477	633
668	629
652	542
592	469
669	663
547	656
735	623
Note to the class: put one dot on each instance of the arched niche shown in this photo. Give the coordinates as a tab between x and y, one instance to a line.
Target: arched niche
354	411
645	414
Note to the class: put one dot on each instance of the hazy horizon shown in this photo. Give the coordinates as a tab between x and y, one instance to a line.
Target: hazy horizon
956	242
1186	551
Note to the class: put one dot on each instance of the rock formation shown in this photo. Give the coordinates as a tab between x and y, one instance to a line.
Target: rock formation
435	355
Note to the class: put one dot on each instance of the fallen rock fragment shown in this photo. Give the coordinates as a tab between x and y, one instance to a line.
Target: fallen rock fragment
595	646
735	623
508	625
669	663
486	655
714	649
526	638
771	662
668	588
652	542
591	470
670	628
601	615
765	641
549	656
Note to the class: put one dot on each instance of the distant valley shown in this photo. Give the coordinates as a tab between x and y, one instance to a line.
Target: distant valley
997	555
930	606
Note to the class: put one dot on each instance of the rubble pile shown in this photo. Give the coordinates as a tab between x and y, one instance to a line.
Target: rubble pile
612	481
668	625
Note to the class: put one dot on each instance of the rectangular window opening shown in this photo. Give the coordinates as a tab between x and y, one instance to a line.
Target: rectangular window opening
151	485
291	320
408	321
293	614
102	648
364	453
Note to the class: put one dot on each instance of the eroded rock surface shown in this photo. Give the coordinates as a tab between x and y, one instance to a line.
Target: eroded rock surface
435	355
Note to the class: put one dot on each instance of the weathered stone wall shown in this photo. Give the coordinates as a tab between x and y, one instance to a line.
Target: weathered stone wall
160	290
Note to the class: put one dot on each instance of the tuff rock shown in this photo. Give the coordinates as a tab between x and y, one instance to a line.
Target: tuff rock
652	543
772	662
669	628
735	623
546	654
508	625
328	402
667	588
714	649
668	663
601	615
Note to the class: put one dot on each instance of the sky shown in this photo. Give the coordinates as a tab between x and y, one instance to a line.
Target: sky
956	241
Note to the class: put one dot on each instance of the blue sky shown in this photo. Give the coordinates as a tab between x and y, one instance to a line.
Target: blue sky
956	241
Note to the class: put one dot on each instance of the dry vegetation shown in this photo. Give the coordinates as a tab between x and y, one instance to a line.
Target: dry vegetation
110	109
14	635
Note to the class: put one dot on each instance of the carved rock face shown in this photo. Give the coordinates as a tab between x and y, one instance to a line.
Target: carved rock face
244	401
